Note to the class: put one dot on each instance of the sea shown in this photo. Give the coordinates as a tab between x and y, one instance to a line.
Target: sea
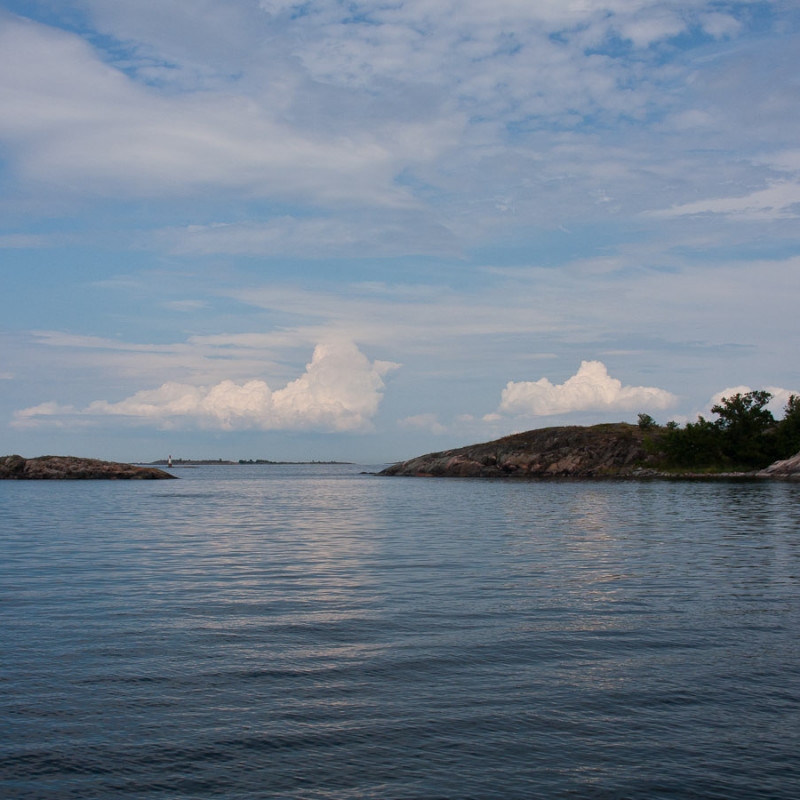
314	632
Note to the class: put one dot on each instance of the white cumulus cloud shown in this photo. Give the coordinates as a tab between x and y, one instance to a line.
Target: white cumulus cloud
339	391
590	389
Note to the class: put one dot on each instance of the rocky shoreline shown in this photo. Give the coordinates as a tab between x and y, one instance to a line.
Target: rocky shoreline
788	469
16	467
616	450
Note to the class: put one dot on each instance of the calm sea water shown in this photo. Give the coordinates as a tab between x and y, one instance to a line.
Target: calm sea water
310	632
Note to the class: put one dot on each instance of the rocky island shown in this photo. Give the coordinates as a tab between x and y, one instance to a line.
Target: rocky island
745	441
572	451
70	468
614	450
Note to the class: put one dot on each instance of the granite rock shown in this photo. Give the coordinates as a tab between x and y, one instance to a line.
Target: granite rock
609	450
16	467
787	469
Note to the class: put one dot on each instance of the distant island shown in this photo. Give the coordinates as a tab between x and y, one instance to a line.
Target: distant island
264	461
213	462
745	442
188	462
16	467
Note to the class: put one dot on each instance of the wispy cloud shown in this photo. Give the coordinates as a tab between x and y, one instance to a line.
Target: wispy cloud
372	234
778	201
22	241
77	123
186	305
424	422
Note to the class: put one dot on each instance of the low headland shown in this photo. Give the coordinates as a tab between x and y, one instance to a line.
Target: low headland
745	442
16	467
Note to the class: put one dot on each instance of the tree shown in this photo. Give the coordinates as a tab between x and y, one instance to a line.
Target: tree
744	412
748	428
788	429
646	422
745	435
699	444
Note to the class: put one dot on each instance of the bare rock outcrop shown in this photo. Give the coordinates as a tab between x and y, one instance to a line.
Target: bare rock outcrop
611	450
70	468
788	469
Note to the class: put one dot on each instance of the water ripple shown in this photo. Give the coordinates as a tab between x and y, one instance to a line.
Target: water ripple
313	633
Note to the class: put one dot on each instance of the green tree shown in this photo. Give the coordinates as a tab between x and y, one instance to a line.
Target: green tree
745	435
748	427
746	413
697	445
646	422
788	429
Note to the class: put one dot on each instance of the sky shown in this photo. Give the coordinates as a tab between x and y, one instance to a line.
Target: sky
364	231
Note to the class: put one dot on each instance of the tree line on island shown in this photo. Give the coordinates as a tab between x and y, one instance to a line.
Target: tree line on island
745	435
745	440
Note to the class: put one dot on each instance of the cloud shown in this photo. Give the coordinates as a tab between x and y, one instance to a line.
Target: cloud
186	305
423	422
73	121
339	391
780	200
370	233
646	29
22	241
590	389
343	101
51	413
456	119
720	26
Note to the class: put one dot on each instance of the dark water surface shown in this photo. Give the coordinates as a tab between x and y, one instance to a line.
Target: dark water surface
309	632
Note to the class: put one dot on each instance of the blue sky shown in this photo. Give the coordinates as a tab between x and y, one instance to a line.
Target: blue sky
366	230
